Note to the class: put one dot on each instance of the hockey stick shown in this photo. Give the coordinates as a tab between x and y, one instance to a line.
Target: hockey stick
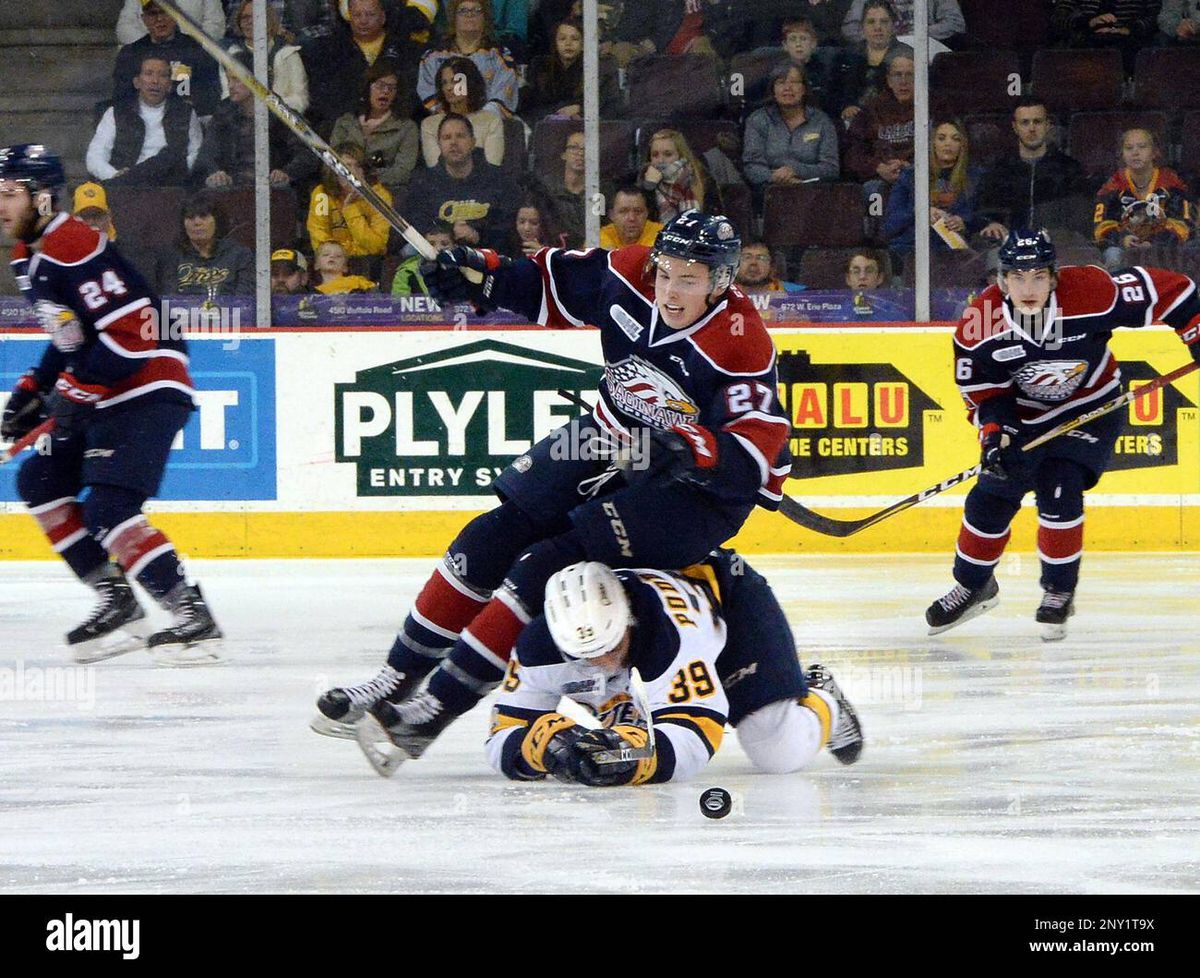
843	528
25	441
304	132
637	692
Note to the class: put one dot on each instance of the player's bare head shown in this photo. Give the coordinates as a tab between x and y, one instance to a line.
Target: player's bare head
588	613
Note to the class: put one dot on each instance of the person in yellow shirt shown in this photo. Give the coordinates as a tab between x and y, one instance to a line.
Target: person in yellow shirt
629	221
332	266
336	212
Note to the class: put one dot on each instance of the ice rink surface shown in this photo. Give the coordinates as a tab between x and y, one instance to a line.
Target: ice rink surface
994	762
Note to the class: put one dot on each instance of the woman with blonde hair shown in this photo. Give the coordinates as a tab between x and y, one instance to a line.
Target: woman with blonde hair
953	195
674	175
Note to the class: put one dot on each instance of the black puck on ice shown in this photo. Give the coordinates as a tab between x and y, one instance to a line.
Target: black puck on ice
716	803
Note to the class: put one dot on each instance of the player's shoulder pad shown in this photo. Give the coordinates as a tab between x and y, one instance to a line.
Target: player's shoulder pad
629	263
535	647
1085	290
72	243
982	320
735	340
655	641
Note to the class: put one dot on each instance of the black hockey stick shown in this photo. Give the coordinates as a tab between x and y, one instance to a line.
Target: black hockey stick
304	132
637	692
843	528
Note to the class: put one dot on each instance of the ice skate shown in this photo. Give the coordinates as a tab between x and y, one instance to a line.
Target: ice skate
392	733
340	708
193	638
116	626
961	604
846	737
1053	612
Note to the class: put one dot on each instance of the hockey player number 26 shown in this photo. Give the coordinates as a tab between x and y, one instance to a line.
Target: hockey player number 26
691	681
95	294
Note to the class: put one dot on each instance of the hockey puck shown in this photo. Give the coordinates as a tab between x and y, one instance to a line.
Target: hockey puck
716	803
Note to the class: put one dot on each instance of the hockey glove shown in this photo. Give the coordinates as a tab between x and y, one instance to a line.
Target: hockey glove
447	282
23	412
572	758
684	450
1002	456
71	404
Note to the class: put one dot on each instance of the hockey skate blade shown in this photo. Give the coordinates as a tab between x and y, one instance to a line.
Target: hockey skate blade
205	653
384	756
1053	633
322	725
975	612
127	639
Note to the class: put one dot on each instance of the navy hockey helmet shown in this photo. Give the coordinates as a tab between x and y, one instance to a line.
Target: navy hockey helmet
708	239
34	165
1025	249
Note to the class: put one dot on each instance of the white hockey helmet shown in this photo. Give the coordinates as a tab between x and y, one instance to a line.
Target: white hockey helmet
587	610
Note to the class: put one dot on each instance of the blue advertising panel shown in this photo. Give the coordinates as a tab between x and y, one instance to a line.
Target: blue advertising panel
227	448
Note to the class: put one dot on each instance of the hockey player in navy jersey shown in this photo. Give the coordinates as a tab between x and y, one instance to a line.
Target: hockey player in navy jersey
711	645
1031	353
689	373
118	391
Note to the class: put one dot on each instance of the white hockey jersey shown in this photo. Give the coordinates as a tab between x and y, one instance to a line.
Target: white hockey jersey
678	635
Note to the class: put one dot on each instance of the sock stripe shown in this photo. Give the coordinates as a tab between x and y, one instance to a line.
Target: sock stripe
430	626
477	646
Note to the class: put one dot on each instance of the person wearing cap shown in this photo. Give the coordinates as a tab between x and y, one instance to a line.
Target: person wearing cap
711	644
91	207
193	74
289	272
209	14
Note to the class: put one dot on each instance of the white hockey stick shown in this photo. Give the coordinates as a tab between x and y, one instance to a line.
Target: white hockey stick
304	132
637	692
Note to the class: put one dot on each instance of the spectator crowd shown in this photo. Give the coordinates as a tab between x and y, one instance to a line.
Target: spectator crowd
466	116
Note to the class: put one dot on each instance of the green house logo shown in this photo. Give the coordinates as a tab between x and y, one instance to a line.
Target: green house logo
447	423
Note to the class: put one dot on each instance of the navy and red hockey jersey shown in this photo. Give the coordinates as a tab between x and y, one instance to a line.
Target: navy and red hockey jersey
718	373
103	321
1007	376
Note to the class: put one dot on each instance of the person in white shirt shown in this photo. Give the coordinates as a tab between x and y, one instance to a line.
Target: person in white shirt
152	140
209	14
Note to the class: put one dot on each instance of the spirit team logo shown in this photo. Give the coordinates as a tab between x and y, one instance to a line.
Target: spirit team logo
644	392
447	423
1051	380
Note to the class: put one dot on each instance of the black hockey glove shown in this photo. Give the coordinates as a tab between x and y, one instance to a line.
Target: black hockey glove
447	282
1002	456
570	756
684	450
71	404
23	412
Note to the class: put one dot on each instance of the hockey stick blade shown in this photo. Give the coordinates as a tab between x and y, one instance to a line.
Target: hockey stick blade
304	132
637	692
830	527
22	443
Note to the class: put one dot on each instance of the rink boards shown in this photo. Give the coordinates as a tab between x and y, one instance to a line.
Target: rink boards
327	442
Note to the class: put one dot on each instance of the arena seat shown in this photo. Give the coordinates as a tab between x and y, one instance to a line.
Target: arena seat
682	85
1092	137
1167	78
974	81
824	214
1078	79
